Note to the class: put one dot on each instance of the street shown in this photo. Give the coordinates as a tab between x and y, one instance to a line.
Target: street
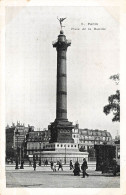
44	177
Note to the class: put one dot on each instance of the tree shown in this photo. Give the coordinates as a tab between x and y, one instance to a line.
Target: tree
116	78
114	102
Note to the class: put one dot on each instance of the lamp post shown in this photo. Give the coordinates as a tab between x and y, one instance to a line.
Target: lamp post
40	154
65	153
20	159
17	134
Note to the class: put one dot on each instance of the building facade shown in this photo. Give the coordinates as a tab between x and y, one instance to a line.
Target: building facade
84	138
16	136
10	142
87	138
75	134
35	141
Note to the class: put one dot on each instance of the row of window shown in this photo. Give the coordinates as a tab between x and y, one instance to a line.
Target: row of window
94	141
102	133
91	137
34	146
48	146
60	145
37	139
95	138
75	131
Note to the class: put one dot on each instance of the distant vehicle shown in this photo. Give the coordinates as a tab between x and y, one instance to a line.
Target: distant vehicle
108	158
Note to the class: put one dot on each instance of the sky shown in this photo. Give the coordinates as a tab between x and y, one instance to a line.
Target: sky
31	62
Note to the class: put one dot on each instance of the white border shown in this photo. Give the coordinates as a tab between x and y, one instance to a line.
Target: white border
54	191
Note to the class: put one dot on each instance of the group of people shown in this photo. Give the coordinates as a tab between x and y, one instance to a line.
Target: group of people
77	169
53	165
34	163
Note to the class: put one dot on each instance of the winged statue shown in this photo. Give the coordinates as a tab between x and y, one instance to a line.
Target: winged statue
61	21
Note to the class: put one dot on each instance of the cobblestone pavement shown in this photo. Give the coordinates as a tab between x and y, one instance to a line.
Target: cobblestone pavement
44	177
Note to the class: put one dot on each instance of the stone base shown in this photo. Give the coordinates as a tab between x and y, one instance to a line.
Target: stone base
64	157
61	131
64	152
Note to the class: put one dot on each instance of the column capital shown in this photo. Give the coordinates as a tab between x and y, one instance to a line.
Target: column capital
61	42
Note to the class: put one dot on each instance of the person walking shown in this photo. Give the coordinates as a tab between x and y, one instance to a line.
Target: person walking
71	165
54	166
46	162
76	170
39	162
60	166
84	167
51	163
22	164
34	165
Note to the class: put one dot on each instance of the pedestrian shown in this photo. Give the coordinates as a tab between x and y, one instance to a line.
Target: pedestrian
34	165
84	167
51	165
40	162
76	169
16	164
71	165
22	164
54	166
60	165
46	162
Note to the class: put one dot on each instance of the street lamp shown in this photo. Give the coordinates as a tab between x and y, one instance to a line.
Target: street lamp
22	158
65	153
17	134
40	155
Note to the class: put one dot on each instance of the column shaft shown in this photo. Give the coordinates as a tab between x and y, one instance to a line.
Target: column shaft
61	102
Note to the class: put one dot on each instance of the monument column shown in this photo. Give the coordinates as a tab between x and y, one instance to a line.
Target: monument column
61	101
61	144
61	128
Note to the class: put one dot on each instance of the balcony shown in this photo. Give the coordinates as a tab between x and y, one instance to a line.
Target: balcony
63	40
54	42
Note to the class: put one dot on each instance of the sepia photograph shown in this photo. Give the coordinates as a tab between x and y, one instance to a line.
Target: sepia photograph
62	97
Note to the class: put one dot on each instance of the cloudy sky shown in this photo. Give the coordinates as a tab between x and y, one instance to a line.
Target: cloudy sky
31	64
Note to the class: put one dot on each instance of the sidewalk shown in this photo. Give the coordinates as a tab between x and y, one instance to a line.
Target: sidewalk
91	166
44	177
